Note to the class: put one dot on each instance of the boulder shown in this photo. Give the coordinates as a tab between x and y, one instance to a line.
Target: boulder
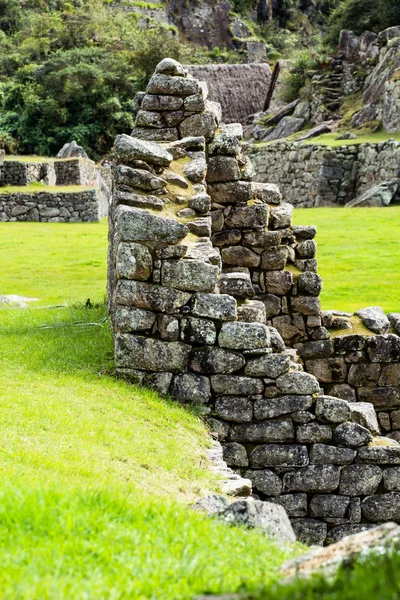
137	225
286	127
378	195
72	150
129	148
268	517
374	319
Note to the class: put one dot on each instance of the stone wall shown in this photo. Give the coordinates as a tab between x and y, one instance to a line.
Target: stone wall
312	175
16	173
56	207
241	89
74	171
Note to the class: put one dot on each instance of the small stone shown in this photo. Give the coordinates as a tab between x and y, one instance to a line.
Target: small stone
281	216
266	516
380	455
322	454
138	178
294	504
352	435
384	348
190	275
328	370
158	381
236	385
313	479
309	283
203	124
319	349
267	192
216	360
198	331
306	305
279	455
157	102
234	408
238	488
306	249
129	148
274	259
310	531
169	66
270	365
236	284
385	507
136	352
128	319
332	410
212	505
201	203
252	216
232	192
312	433
150	296
374	319
240	256
298	383
189	387
391	479
251	311
137	225
134	261
274	431
221	169
238	336
269	408
360	480
278	282
329	506
168	328
213	306
364	414
265	481
235	455
167	85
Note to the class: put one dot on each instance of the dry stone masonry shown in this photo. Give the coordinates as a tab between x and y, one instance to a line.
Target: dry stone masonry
214	300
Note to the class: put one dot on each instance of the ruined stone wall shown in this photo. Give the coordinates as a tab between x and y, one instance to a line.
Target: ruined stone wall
56	207
74	171
241	89
311	175
204	268
16	173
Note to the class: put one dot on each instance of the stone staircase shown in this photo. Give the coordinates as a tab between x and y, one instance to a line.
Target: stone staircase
330	88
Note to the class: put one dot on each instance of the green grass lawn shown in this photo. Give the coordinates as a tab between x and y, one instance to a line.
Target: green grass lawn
358	255
96	475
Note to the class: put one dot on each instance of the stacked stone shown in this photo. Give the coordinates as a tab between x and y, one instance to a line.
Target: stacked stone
74	171
15	172
197	325
50	207
175	106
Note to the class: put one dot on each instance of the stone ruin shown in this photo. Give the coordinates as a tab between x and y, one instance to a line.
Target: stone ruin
214	300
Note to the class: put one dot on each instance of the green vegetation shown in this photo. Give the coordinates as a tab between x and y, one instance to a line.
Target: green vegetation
330	139
55	262
37	187
357	252
96	475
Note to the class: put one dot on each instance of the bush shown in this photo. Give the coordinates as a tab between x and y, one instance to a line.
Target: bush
297	77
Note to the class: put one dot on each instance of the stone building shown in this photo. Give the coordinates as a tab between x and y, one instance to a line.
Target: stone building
214	300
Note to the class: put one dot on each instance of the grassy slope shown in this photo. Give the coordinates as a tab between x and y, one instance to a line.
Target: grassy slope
358	252
96	475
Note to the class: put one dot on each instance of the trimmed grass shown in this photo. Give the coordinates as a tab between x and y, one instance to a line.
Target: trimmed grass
358	253
55	262
329	139
96	475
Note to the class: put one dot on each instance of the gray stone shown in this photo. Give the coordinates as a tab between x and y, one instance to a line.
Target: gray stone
270	365
310	531
138	201
72	149
381	194
298	383
201	203
278	282
281	216
128	319
344	391
374	318
196	169
265	481
236	284
198	331
240	488
384	348
212	505
213	306
364	414
235	455
294	504
267	192
277	343
158	381
364	374
189	387
234	408
312	433
136	352
306	249
304	232
285	128
157	102
216	360
169	66
243	336
306	305
328	370
302	417
313	479
268	408
273	431
279	455
236	385
309	283
352	435
343	531
251	216
133	261
252	311
322	454
233	192
218	428
168	328
150	296
172	86
391	479
380	455
138	178
266	516
394	319
203	124
221	169
262	239
241	256
332	410
189	275
360	480
195	103
137	225
127	148
319	349
385	507
329	506
225	144
149	134
227	237
274	259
